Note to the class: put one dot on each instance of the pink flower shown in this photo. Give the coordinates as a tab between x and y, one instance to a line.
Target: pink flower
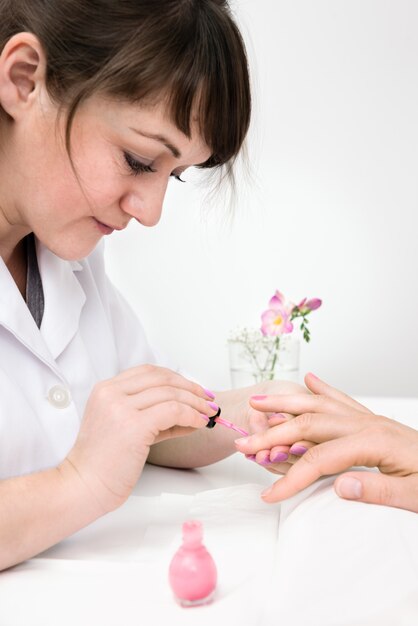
276	320
309	305
277	301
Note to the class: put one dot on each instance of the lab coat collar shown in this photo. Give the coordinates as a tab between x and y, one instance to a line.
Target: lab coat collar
64	299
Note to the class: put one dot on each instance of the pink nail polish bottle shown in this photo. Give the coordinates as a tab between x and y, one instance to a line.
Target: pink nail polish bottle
192	572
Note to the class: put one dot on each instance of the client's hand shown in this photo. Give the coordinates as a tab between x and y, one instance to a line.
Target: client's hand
347	434
279	460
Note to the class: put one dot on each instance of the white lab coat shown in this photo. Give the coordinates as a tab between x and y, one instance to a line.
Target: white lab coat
88	333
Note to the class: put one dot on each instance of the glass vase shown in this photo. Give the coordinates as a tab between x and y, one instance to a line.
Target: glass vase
255	358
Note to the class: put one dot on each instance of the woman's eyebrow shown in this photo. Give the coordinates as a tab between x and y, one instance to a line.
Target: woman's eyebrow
174	151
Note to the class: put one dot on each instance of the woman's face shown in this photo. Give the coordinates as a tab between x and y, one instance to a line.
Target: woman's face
123	158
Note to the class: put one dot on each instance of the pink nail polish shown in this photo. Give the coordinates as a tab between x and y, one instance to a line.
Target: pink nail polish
265	461
275	415
209	393
192	572
298	450
280	457
213	406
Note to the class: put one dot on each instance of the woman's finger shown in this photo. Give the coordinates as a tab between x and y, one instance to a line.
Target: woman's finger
279	418
331	457
308	427
279	454
319	387
167	415
301	403
156	395
299	448
376	488
277	467
137	379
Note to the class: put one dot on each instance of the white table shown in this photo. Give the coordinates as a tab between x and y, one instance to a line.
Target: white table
315	559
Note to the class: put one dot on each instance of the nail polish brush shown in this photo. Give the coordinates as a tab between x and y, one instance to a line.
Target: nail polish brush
216	419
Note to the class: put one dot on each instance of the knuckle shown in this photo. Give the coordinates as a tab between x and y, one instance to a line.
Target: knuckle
304	421
377	432
312	455
384	493
103	391
321	401
165	375
173	408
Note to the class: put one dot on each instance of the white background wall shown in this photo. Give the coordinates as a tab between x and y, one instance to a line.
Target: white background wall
329	211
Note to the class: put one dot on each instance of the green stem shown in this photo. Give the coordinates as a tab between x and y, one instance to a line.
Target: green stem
276	350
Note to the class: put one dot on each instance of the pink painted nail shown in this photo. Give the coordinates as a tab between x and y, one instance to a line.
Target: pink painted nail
258	397
298	450
276	415
209	393
205	417
250	457
214	406
280	457
242	440
265	461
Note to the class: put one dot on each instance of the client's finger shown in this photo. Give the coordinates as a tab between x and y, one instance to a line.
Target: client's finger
331	457
307	427
301	403
299	448
319	387
378	488
279	418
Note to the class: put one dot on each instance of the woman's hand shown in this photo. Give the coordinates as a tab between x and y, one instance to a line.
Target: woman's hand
124	416
346	434
281	459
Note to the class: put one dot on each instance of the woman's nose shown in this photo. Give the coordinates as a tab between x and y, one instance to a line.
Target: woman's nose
145	204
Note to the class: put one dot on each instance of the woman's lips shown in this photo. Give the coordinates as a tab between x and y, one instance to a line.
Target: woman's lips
106	230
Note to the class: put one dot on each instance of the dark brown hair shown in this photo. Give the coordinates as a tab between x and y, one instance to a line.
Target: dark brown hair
187	51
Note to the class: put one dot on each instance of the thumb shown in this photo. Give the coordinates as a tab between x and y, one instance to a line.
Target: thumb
376	488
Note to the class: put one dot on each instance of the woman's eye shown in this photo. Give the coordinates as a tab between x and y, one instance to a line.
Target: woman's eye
136	166
177	177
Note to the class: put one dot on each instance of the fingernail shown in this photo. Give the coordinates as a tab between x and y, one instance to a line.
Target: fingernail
258	397
275	415
298	450
279	457
213	406
265	460
313	375
266	492
205	417
250	457
242	440
350	488
209	393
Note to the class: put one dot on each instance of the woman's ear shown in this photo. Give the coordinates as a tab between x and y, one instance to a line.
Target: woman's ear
22	71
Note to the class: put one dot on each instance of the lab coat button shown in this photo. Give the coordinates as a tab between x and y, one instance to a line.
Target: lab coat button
59	397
